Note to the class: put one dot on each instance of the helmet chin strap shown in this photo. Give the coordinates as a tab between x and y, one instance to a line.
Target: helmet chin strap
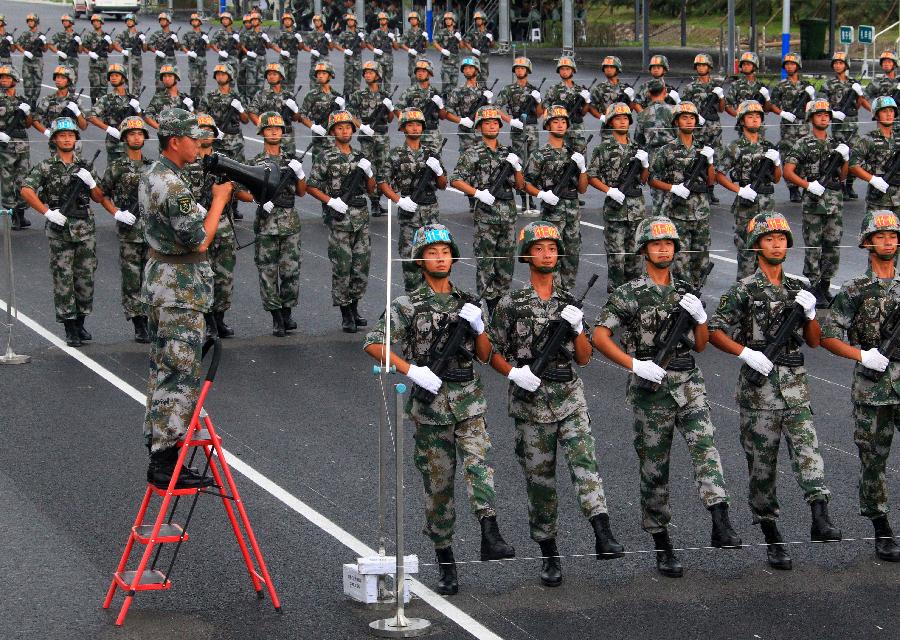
773	261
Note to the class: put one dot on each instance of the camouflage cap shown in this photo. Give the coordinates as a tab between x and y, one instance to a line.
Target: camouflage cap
749	106
535	232
66	72
269	119
98	18
819	105
424	63
566	61
703	58
487	112
749	56
33	17
656	228
430	234
469	61
275	66
794	57
340	117
619	109
884	102
116	68
9	70
175	122
875	222
324	66
762	224
411	114
555	111
169	69
133	123
64	124
372	65
224	67
685	107
612	61
208	124
522	61
658	61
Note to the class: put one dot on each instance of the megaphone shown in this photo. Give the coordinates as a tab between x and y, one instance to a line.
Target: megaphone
261	181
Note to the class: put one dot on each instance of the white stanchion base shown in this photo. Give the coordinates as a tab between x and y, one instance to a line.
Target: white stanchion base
13	358
408	627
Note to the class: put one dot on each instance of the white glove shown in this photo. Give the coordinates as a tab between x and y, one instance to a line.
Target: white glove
71	106
43	38
314	53
788	116
811	91
114	132
338	205
291	104
838	115
681	191
435	165
808	301
674	95
630	93
643	157
189	104
439	101
366	129
339	101
126	52
515	123
47	132
4	138
708	152
747	193
873	359
515	161
488	95
93	55
476	52
857	88
269	206
648	370
284	53
107	38
236	104
445	53
54	216
718	91
9	39
764	92
297	168
424	377
466	122
774	156
173	37
536	95
458	36
141	37
362	36
30	55
377	51
485	197
756	360
365	165
412	52
815	188
844	150
223	55
265	36
879	183
578	159
489	36
237	37
252	54
392	36
523	377
298	38
348	52
702	120
406	203
691	303
549	197
616	195
62	55
584	93
202	210
85	176
426	36
317	129
472	314
25	108
574	316
159	54
205	38
125	217
387	103
192	54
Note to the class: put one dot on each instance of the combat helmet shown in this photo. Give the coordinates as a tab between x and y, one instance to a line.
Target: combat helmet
566	61
749	106
9	70
612	61
556	111
888	55
324	66
65	71
792	57
535	232
275	66
522	61
372	65
685	106
64	124
469	61
411	114
703	58
430	234
339	117
168	68
224	67
752	58
659	61
819	105
884	102
424	63
656	228
875	221
763	224
204	120
840	56
273	119
619	109
133	123
487	112
116	68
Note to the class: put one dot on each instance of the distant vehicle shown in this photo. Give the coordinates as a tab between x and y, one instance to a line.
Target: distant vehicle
117	8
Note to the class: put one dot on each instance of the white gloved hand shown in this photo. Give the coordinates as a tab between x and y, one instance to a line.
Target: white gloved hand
439	101
317	129
719	92
269	206
314	53
756	360
298	37
586	95
879	183
223	55
445	52
774	156
808	301
392	36
205	38
377	51
85	176
764	92
747	193
574	316
844	150
489	36
30	55
284	53
515	123
54	216
62	55
476	52
466	122
141	37
338	205
291	104
115	133
159	54
424	377
124	216
488	95
630	93
412	52
840	116
43	38
578	159
108	39
406	203
46	132
692	304
133	102
435	165
192	54
237	37
387	103
681	191
549	197
788	116
472	314
484	196
365	165
265	36
173	37
815	188
71	106
857	88
93	55
648	370
25	108
362	36
297	168
4	138
523	377
339	101
458	36
702	120
642	155
426	36
252	54
348	53
536	95
189	104
367	130
674	95
811	90
616	195
515	161
873	359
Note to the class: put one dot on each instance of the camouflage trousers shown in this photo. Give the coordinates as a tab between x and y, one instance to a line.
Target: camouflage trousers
575	139
743	212
176	342
159	62
32	75
197	76
524	142
566	217
134	67
277	259
435	457
349	252
693	256
15	163
376	148
484	70
290	72
425	214
655	422
536	445
352	74
387	69
622	262
72	267
222	259
231	145
873	436
97	81
449	74
132	260
822	236
761	432
494	271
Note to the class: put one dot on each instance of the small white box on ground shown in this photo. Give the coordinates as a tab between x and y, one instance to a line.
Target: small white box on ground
363	587
387	565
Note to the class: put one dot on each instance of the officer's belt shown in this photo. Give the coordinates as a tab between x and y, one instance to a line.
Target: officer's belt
195	257
784	359
765	189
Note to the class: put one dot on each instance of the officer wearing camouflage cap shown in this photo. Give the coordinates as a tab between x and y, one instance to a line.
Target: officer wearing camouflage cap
854	330
15	156
373	107
447	40
130	43
194	44
31	43
275	98
424	97
319	102
703	90
479	40
177	290
574	97
382	43
350	43
163	43
66	44
874	151
842	91
225	104
665	399
59	104
415	42
168	98
453	421
612	88
747	87
113	107
7	43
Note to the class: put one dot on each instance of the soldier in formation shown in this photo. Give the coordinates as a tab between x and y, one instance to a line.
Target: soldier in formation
130	43
373	108
709	97
424	97
275	98
414	41
382	42
15	156
479	40
32	44
842	91
112	108
66	44
658	67
194	44
169	97
163	43
575	98
789	96
318	105
350	42
225	105
447	40
612	89
874	152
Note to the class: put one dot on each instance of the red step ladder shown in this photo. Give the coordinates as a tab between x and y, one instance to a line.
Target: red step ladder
162	530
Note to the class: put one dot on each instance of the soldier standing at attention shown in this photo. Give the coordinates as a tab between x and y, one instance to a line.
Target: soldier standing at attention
480	41
15	153
170	97
195	43
701	91
163	43
447	39
422	96
177	290
845	126
874	152
335	172
66	44
414	41
97	44
350	42
859	315
32	43
886	83
658	68
59	104
275	98
70	232
227	110
373	108
130	43
112	108
452	423
575	98
382	42
622	212
749	312
789	95
553	411
612	89
495	213
664	400
226	42
318	105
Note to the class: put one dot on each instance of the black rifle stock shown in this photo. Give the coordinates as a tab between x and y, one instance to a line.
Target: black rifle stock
831	173
380	115
74	187
710	108
427	179
440	358
892	171
629	181
575	115
695	177
778	342
763	174
890	341
529	105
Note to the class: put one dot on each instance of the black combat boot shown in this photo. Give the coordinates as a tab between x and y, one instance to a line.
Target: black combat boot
776	552
162	465
848	190
821	299
822	529
212	332
14	220
358	319
72	338
348	322
607	547
471	204
140	329
277	323
493	546
551	566
666	561
223	329
723	534
448	584
289	323
886	548
83	333
795	194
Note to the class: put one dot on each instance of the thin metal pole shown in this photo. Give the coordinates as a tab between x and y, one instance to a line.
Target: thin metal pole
503	20
645	17
12	309
568	26
401	547
785	32
731	40
753	31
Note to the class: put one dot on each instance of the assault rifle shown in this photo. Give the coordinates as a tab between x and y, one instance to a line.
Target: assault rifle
672	332
623	97
441	359
695	177
482	99
76	99
779	341
426	180
499	185
528	115
709	110
565	177
352	187
17	122
629	181
549	344
830	175
74	190
380	115
847	105
763	174
575	114
890	341
135	112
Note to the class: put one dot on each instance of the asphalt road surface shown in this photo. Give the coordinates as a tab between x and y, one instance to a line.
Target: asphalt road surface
300	416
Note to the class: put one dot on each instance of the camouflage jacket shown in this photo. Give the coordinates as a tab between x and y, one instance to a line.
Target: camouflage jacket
608	161
51	107
873	152
416	322
478	40
380	40
415	39
120	183
464	101
787	96
200	183
112	108
65	42
31	41
515	328
515	98
253	41
417	97
405	166
364	103
270	100
130	42
319	41
751	310
9	112
835	90
638	309
740	158
227	40
741	89
328	174
810	155
447	40
318	105
163	41
477	166
351	40
196	41
544	170
569	97
654	126
173	225
288	40
98	43
670	164
283	220
6	43
857	314
53	180
162	100
881	85
218	105
698	93
642	92
606	93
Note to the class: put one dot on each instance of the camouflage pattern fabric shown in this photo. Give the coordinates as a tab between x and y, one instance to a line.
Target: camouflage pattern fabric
847	131
218	105
99	43
270	100
478	39
873	152
513	99
605	93
112	108
881	85
363	104
253	68
133	256
785	95
15	156
163	100
570	98
133	60
65	42
698	93
464	101
653	129
379	40
742	89
874	431
227	40
642	92
289	41
33	69
162	41
419	98
449	64
51	107
317	40
317	106
194	41
350	39
414	38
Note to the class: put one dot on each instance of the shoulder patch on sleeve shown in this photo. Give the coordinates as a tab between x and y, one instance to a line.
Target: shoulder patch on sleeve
185	204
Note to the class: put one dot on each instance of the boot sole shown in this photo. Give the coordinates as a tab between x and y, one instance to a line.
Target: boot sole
820	538
551	583
671	574
486	557
609	555
446	592
783	566
722	545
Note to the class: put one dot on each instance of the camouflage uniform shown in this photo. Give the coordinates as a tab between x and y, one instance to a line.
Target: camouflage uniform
787	96
654	129
747	312
464	101
379	40
269	100
15	156
872	152
516	101
352	64
66	43
835	91
133	60
227	40
363	104
32	70
419	98
317	40
608	161
99	43
478	40
742	89
218	105
881	85
711	131
162	41
449	64
112	108
317	106
254	76
197	41
289	41
414	38
51	107
162	101
557	416
570	98
606	93
453	424
638	308
642	92
6	42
